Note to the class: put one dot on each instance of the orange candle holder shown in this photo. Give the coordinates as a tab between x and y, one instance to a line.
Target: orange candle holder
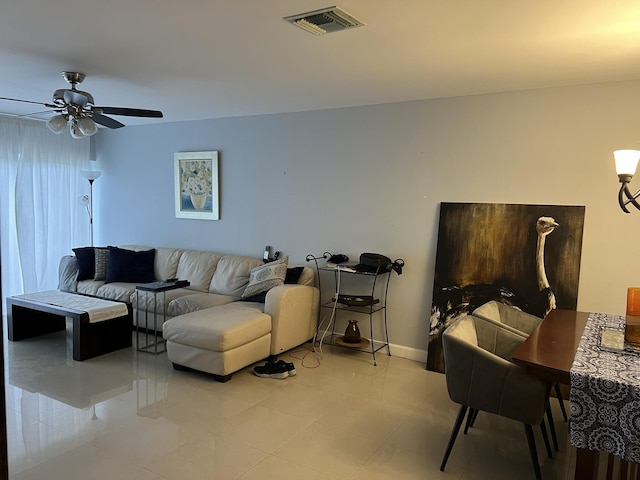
632	321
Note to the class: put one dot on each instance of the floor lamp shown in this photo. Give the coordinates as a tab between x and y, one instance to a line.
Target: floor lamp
90	175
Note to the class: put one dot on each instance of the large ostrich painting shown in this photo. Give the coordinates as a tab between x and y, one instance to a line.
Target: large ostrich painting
522	255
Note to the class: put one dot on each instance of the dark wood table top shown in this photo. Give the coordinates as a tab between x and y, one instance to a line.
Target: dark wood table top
549	351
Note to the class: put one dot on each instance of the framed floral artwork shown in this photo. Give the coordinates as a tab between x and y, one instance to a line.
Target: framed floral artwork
196	185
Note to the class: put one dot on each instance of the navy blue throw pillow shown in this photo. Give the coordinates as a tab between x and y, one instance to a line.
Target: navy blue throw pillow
293	275
129	266
86	258
258	297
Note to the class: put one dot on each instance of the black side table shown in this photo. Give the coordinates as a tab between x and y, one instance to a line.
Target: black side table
158	344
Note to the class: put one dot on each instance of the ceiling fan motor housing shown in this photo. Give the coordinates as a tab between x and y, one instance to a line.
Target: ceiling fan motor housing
79	98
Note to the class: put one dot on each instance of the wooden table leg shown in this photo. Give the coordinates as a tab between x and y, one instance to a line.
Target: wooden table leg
586	464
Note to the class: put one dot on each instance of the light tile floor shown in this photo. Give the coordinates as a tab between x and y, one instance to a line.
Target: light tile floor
129	415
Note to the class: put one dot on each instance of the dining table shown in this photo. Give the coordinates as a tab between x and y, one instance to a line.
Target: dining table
566	348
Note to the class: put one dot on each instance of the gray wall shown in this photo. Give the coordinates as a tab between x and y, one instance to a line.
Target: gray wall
371	179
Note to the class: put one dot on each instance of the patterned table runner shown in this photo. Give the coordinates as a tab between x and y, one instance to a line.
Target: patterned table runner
605	394
97	308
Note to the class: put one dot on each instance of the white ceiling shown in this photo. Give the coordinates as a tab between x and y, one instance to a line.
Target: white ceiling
196	59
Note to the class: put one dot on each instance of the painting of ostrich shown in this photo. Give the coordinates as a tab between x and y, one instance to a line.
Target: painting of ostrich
527	256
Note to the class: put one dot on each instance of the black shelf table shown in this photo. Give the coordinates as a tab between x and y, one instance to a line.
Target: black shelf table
158	343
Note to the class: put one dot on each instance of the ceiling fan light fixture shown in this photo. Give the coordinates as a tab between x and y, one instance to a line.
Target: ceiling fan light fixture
87	126
57	123
75	130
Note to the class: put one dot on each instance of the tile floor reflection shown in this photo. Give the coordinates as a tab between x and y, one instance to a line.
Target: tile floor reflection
129	415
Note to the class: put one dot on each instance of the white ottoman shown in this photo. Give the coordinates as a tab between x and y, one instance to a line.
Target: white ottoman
219	340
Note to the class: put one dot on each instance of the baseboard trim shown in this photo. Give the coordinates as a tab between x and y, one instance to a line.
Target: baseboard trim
401	351
409	353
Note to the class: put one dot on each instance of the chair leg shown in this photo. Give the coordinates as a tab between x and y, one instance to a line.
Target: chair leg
475	415
545	437
470	419
454	434
552	427
560	401
528	430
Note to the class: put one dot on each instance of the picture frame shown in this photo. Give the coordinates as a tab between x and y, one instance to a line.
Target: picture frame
196	185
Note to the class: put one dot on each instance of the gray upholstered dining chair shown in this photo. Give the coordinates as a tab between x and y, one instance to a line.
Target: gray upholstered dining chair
480	376
521	322
508	316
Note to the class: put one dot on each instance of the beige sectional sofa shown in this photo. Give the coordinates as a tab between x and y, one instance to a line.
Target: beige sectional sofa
210	326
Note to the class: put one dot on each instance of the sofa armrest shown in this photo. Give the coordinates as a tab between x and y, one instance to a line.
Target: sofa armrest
68	274
294	315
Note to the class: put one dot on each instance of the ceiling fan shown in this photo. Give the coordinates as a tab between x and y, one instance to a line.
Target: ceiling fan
76	109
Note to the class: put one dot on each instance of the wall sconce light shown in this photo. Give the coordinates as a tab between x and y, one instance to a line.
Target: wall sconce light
626	165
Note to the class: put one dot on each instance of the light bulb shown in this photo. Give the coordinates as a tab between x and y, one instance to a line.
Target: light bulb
87	126
75	131
56	124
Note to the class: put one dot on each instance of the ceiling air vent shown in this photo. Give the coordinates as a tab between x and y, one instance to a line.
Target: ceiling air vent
326	20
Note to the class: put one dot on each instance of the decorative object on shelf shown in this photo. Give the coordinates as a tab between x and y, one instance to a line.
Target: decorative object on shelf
356	300
626	165
364	345
352	333
87	201
196	185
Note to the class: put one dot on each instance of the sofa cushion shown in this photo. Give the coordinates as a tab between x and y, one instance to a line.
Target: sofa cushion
264	277
197	301
232	275
145	302
89	287
130	266
307	277
86	262
197	267
117	291
68	274
219	329
166	263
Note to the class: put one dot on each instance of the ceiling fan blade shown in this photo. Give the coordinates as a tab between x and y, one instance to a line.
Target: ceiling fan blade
25	101
33	114
106	121
130	112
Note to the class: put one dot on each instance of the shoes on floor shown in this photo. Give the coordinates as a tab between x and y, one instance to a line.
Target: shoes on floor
279	370
291	368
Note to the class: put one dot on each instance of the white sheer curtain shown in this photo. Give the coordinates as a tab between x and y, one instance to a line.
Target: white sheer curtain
40	216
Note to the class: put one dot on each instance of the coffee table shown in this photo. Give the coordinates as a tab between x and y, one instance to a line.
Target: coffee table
99	326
